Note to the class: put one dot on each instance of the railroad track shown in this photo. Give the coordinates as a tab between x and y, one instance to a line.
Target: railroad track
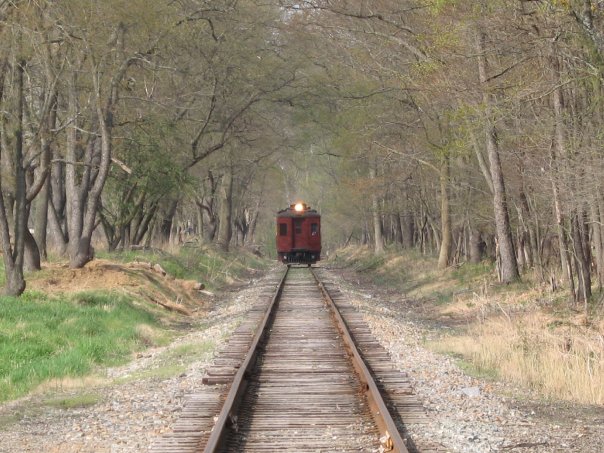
292	378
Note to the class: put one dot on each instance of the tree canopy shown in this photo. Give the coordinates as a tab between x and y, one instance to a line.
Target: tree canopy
469	130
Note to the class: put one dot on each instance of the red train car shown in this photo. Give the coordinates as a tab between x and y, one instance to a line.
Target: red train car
299	235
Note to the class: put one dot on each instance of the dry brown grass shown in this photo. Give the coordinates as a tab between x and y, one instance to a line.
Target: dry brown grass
560	360
522	333
136	279
70	384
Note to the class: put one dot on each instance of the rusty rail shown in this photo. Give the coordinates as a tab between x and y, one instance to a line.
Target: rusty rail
231	404
390	438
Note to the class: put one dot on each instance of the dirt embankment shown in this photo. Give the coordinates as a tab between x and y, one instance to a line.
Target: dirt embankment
143	280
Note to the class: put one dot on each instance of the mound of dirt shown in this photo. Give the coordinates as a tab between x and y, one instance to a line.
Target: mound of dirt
139	279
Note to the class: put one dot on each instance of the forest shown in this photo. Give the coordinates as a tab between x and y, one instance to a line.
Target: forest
467	130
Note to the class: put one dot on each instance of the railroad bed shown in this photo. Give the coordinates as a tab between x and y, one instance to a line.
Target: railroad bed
292	379
304	395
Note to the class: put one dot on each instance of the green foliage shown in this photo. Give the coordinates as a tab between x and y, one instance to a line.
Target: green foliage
43	338
156	171
187	353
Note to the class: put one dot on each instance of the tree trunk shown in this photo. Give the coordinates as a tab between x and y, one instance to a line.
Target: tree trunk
57	209
596	235
444	256
59	240
143	226
583	293
476	246
254	223
43	197
484	168
562	241
530	249
73	194
365	235
14	256
407	229
166	223
207	220
398	229
509	265
81	247
560	148
32	253
41	219
225	229
377	221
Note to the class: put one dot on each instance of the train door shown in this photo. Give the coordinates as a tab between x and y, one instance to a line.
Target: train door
298	238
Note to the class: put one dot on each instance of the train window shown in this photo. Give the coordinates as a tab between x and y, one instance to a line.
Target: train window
314	229
283	229
298	226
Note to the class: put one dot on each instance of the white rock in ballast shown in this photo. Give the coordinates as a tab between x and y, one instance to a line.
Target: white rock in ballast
471	391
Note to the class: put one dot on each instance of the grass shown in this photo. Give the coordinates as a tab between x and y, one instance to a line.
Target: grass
208	265
173	362
188	353
44	338
563	362
474	369
521	333
8	420
56	341
412	273
73	402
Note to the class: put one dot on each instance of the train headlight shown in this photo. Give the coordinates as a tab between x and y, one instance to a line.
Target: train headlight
299	207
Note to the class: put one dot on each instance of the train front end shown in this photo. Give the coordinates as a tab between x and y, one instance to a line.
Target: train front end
299	235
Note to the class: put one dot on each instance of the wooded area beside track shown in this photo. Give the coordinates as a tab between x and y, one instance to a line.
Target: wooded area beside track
471	130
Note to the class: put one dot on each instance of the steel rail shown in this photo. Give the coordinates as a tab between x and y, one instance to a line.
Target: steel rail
229	409
390	438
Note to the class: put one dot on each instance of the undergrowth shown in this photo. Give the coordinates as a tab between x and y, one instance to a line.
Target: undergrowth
412	273
558	362
208	265
522	333
44	338
49	341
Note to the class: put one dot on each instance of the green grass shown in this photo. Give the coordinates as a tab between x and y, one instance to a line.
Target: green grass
8	420
468	273
43	338
210	266
475	369
72	402
172	362
188	353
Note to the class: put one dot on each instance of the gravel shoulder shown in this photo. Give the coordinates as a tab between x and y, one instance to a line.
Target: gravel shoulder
470	414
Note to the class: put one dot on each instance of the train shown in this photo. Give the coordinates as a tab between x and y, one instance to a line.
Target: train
299	235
